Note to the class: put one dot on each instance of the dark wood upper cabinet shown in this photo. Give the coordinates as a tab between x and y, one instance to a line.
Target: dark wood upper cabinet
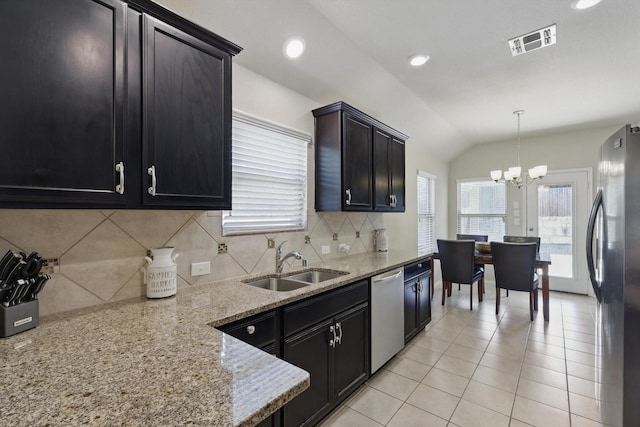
98	91
61	117
359	161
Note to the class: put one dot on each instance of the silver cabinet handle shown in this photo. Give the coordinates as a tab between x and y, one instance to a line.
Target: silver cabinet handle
339	329
332	342
392	200
251	329
348	201
152	173
120	186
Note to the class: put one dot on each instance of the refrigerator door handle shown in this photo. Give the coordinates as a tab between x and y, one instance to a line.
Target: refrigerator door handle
597	204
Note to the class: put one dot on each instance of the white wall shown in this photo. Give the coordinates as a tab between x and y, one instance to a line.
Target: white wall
577	149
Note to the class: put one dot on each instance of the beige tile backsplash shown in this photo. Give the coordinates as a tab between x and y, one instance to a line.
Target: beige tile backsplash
102	253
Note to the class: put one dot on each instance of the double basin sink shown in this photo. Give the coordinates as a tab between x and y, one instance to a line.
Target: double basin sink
289	282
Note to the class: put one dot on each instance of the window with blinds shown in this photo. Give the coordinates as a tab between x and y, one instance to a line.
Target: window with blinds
426	213
269	178
482	208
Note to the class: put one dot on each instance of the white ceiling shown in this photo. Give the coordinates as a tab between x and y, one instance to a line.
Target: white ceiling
357	51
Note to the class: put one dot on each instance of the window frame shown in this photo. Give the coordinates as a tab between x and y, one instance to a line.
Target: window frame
480	215
430	215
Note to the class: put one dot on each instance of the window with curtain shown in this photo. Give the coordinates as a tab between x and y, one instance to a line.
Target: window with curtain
269	178
482	208
426	213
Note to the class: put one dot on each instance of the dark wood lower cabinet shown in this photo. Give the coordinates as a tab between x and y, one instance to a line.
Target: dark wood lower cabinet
417	299
335	352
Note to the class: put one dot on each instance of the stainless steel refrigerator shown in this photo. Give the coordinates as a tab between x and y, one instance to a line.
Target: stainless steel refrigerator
613	259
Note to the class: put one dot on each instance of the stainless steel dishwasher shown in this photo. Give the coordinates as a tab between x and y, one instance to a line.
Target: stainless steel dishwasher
387	316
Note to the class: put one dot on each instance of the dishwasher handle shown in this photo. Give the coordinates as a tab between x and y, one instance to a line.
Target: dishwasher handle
388	276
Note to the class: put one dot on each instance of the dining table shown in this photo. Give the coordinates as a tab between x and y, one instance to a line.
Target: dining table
543	261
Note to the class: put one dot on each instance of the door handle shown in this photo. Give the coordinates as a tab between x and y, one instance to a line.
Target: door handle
597	203
152	173
120	170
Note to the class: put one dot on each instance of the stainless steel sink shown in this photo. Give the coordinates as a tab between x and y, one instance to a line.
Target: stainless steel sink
284	283
316	275
279	284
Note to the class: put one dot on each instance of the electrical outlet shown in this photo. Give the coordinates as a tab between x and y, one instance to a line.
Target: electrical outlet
307	239
357	234
222	248
326	249
200	268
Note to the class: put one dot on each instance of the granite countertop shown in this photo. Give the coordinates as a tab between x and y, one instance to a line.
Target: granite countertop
160	362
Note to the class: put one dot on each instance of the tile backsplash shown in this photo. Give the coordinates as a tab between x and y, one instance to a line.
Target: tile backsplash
102	253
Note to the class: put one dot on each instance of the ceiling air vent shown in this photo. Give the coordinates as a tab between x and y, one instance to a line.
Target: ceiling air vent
526	43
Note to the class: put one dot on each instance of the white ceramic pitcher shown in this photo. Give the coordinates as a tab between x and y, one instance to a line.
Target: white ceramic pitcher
161	273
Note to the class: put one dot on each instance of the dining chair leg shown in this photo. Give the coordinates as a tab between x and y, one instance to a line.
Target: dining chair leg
535	301
497	299
471	296
480	289
449	287
531	305
507	292
444	287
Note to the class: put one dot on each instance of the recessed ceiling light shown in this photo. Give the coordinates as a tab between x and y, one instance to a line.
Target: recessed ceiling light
584	4
418	60
293	47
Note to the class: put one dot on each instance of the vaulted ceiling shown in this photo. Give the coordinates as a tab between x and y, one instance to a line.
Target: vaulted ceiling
357	51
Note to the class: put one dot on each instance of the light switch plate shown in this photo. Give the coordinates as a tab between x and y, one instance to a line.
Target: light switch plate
200	268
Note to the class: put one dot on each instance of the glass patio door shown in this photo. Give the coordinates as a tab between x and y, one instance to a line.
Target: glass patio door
557	212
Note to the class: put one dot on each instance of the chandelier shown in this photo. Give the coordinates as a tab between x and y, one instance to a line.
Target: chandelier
514	173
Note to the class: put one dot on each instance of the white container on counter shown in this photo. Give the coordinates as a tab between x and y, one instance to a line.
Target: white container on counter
161	273
382	240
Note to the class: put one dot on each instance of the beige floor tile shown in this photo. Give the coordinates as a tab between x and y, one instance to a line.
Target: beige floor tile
546	349
347	417
585	407
583	371
410	416
506	350
547	362
495	378
510	366
583	387
468	341
489	397
464	353
584	358
516	423
545	376
579	336
446	381
420	354
547	339
578	421
433	400
538	414
543	393
376	405
456	366
408	368
469	414
393	384
477	333
431	343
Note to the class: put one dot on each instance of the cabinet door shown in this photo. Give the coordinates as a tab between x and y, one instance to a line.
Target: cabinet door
356	164
351	351
62	95
410	323
186	120
382	173
397	174
311	351
424	302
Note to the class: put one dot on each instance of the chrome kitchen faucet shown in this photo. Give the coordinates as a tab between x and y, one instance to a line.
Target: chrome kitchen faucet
280	259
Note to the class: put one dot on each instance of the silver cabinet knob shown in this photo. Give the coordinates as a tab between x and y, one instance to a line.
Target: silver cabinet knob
251	329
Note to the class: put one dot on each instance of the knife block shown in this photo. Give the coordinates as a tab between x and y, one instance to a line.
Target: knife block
18	318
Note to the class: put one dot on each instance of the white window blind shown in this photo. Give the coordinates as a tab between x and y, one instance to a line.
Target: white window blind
482	208
426	213
269	177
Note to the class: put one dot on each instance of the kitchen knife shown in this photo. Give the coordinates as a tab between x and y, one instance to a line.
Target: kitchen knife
5	259
41	281
14	274
9	266
25	291
13	293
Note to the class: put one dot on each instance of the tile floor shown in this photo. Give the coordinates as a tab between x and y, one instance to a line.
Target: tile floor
473	368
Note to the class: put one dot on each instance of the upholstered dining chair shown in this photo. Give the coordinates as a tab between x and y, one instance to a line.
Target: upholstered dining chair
456	263
522	239
514	265
476	238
